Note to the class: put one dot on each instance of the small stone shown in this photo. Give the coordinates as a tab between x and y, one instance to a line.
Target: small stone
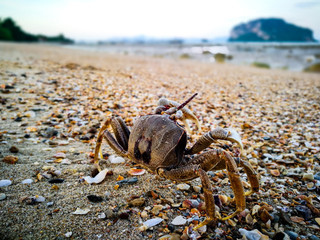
308	176
197	189
68	234
14	149
10	159
94	198
49	204
138	202
59	155
102	216
304	211
124	214
250	235
40	199
144	214
265	216
292	235
56	180
156	209
27	181
110	214
183	186
179	220
5	183
2	196
317	220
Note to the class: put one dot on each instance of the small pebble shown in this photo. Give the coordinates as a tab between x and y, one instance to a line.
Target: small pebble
156	209
292	235
2	196
5	183
250	235
40	199
304	211
10	159
49	204
68	234
14	149
183	186
102	216
27	181
94	198
80	211
56	180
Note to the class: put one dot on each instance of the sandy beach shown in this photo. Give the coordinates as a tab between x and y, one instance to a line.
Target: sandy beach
53	100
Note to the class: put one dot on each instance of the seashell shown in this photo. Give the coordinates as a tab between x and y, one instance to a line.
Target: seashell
114	159
250	235
308	176
98	178
255	209
183	186
59	155
156	209
27	181
179	220
39	199
136	172
102	216
80	211
152	222
5	183
275	172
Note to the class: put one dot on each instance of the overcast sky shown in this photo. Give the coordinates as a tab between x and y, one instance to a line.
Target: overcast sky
102	19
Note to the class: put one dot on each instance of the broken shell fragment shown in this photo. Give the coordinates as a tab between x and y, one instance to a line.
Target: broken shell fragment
136	172
179	220
150	223
10	159
98	178
114	159
80	211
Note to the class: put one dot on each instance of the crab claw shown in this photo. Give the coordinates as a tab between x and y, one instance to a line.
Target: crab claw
234	136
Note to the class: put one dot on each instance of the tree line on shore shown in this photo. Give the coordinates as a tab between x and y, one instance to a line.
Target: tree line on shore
10	31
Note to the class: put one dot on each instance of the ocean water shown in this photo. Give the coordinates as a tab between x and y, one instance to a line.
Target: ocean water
287	56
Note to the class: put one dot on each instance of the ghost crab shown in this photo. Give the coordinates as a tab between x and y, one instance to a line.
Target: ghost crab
157	142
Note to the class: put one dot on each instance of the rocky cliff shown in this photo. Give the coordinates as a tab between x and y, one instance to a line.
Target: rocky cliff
270	29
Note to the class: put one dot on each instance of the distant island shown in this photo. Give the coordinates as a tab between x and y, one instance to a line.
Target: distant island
10	31
270	29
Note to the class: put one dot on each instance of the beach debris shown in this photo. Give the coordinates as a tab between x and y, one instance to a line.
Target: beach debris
150	223
137	202
183	186
102	215
5	183
94	198
179	220
27	181
127	181
115	159
14	149
80	211
2	196
68	234
98	178
10	159
56	180
136	172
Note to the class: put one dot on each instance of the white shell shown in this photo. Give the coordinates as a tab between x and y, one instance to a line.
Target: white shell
179	220
115	159
80	211
40	199
153	222
183	186
5	183
98	178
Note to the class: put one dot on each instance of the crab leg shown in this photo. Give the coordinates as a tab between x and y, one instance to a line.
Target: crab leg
252	177
220	159
188	172
217	134
120	145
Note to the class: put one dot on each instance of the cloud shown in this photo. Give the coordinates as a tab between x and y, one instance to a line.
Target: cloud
309	4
